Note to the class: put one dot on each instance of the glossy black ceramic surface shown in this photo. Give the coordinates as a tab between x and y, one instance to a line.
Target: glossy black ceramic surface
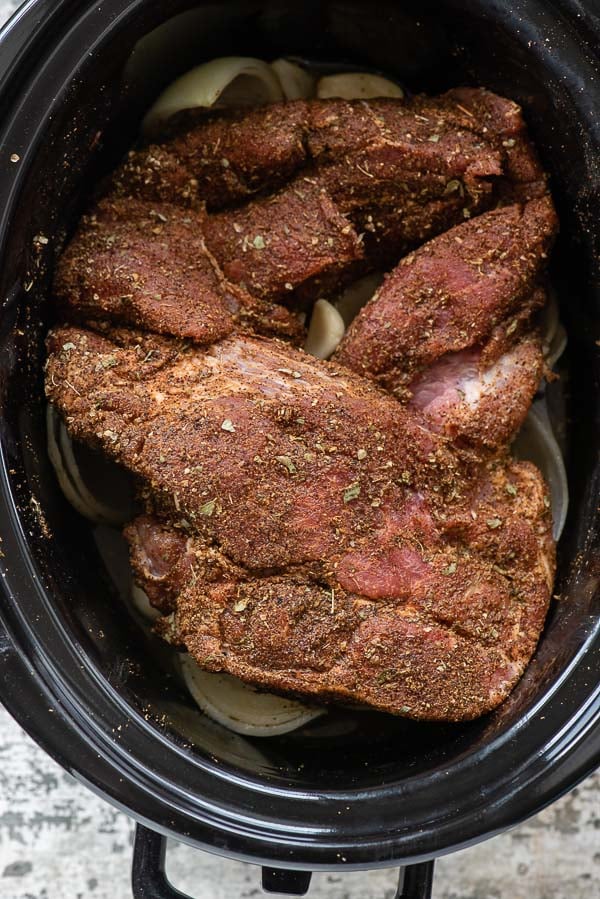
359	790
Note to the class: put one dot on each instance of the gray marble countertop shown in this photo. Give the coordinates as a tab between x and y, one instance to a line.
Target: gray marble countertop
59	841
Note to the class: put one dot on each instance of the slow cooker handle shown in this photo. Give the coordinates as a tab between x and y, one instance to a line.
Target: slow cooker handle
149	881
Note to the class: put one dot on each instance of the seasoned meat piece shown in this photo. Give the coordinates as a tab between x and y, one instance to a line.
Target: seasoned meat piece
224	159
382	625
147	264
440	307
399	172
500	122
293	241
211	413
462	397
317	539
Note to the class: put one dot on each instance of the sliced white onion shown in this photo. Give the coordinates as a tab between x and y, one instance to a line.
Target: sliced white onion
554	350
242	708
357	86
536	443
548	318
325	331
142	604
62	457
227	81
357	295
296	83
554	336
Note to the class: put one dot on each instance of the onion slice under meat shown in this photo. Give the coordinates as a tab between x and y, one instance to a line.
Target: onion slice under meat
296	82
325	331
536	443
226	81
357	86
243	708
62	457
357	295
142	604
554	336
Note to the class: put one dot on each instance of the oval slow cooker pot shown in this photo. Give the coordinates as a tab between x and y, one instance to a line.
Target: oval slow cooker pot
356	791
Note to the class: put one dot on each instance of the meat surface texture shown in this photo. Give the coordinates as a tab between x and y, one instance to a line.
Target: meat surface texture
304	531
322	191
226	159
292	241
147	264
448	327
396	175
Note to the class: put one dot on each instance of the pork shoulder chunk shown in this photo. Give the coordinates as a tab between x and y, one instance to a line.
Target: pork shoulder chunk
305	532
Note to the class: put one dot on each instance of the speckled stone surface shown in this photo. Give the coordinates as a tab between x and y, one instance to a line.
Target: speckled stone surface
59	841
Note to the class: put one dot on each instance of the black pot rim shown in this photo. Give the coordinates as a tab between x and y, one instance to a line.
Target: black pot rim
64	702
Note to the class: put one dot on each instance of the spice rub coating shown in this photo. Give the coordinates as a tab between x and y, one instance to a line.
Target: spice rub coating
399	171
454	307
500	122
226	158
229	421
313	537
292	242
147	264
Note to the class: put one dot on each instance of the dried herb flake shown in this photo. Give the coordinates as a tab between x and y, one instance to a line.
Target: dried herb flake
208	508
352	492
493	523
287	463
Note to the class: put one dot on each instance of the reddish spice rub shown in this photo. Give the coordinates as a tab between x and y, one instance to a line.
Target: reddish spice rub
293	241
500	122
400	172
447	317
316	538
225	159
147	264
398	176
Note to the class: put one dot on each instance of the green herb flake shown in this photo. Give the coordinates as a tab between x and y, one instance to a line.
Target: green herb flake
511	489
361	454
208	508
259	242
450	569
352	492
228	426
109	362
240	605
69	346
287	463
493	523
454	186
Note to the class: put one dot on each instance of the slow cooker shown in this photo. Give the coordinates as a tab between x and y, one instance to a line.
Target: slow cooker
75	79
